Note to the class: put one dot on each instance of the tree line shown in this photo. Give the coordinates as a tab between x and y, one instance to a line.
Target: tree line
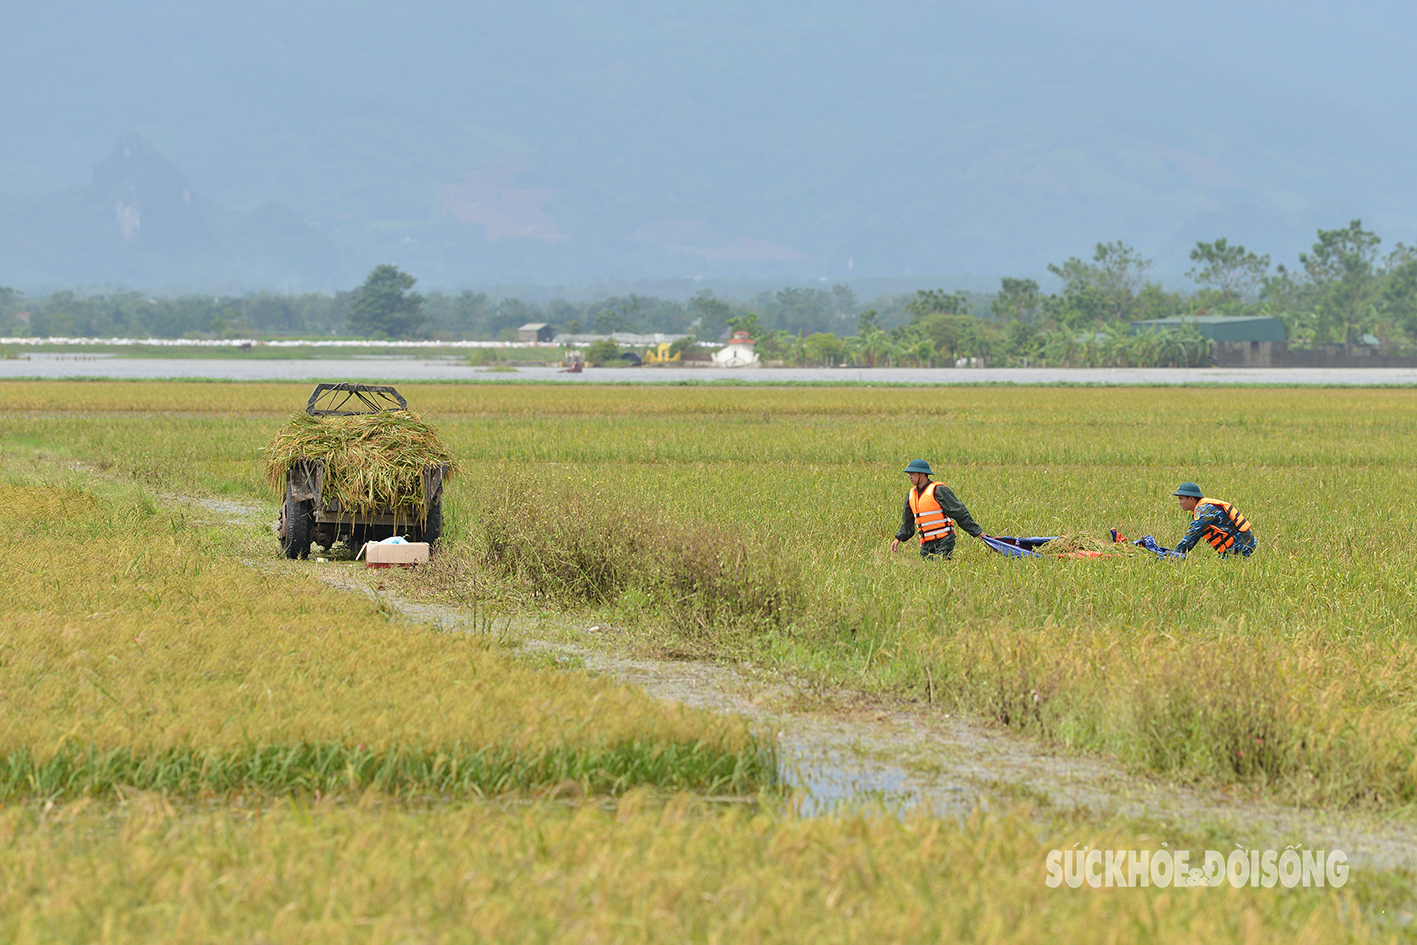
1343	292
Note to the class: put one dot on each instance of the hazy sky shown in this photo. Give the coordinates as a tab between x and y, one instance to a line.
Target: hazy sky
630	138
1358	53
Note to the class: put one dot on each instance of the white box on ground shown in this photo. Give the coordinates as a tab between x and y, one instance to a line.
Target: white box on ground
379	555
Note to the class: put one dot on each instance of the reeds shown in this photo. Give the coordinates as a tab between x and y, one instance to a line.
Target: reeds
571	546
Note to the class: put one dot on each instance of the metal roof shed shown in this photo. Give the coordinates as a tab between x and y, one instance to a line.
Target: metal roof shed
1220	327
535	331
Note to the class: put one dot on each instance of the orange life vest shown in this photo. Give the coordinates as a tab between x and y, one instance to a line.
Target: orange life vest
1221	538
930	519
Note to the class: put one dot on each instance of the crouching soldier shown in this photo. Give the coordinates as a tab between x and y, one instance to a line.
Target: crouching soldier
932	509
1220	524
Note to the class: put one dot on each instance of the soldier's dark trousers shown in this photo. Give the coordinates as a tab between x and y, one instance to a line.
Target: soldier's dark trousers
939	548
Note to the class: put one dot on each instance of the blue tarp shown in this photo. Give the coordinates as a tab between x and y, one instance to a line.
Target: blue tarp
1012	547
1149	543
1016	547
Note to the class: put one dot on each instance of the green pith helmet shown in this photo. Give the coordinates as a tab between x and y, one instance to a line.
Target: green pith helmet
1190	489
920	466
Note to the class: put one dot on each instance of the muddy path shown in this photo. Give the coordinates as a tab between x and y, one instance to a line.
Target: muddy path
840	747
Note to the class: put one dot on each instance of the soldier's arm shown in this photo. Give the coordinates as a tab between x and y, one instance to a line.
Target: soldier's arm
955	509
907	524
1193	534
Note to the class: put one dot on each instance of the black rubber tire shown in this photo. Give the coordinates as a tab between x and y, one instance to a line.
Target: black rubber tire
299	518
433	524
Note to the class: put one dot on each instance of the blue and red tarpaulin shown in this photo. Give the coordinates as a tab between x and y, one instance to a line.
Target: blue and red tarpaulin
1012	547
1149	543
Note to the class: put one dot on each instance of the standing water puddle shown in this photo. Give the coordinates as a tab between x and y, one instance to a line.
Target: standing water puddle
903	757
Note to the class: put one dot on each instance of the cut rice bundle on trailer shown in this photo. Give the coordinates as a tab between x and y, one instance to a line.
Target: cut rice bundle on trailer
357	467
371	461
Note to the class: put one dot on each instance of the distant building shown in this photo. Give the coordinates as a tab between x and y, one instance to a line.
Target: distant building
1221	328
535	331
625	339
1249	340
738	352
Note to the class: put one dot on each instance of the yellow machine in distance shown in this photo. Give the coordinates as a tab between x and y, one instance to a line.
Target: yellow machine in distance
661	354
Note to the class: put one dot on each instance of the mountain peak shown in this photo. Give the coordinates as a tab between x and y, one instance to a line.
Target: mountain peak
148	199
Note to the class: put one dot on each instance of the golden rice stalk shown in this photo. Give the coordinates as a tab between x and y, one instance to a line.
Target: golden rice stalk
20	503
371	461
1067	544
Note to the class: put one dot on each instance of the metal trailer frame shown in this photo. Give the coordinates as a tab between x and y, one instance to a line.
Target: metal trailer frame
305	517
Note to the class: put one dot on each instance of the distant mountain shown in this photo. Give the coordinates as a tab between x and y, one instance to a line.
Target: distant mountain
140	224
495	142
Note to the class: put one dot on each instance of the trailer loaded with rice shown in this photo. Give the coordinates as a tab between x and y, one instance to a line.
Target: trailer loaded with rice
357	465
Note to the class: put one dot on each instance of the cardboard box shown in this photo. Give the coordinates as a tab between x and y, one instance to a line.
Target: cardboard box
405	555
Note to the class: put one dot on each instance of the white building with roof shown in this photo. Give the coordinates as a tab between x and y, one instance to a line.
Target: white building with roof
739	352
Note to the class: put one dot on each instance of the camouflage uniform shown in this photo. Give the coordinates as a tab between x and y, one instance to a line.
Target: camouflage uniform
1208	516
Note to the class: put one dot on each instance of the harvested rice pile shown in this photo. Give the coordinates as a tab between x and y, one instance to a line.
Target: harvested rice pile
1069	544
371	460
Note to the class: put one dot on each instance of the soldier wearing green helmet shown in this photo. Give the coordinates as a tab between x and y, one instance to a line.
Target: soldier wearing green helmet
932	509
1219	523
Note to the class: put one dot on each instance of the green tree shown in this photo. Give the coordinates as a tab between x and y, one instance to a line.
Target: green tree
683	344
877	346
1023	339
748	322
824	348
1232	271
1018	300
9	307
710	314
1399	293
602	352
1103	288
796	309
845	299
1342	270
383	307
616	314
931	301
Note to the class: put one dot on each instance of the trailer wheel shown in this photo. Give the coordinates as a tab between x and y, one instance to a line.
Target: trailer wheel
297	516
433	524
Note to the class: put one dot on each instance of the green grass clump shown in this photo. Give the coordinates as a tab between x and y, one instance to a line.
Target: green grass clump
372	461
570	546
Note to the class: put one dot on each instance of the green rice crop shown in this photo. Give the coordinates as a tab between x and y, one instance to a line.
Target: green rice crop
372	461
1290	672
149	872
135	650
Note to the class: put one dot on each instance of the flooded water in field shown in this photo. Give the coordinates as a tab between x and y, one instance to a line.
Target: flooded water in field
839	749
429	368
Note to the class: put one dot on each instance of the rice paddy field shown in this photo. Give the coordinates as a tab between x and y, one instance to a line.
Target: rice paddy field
199	741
